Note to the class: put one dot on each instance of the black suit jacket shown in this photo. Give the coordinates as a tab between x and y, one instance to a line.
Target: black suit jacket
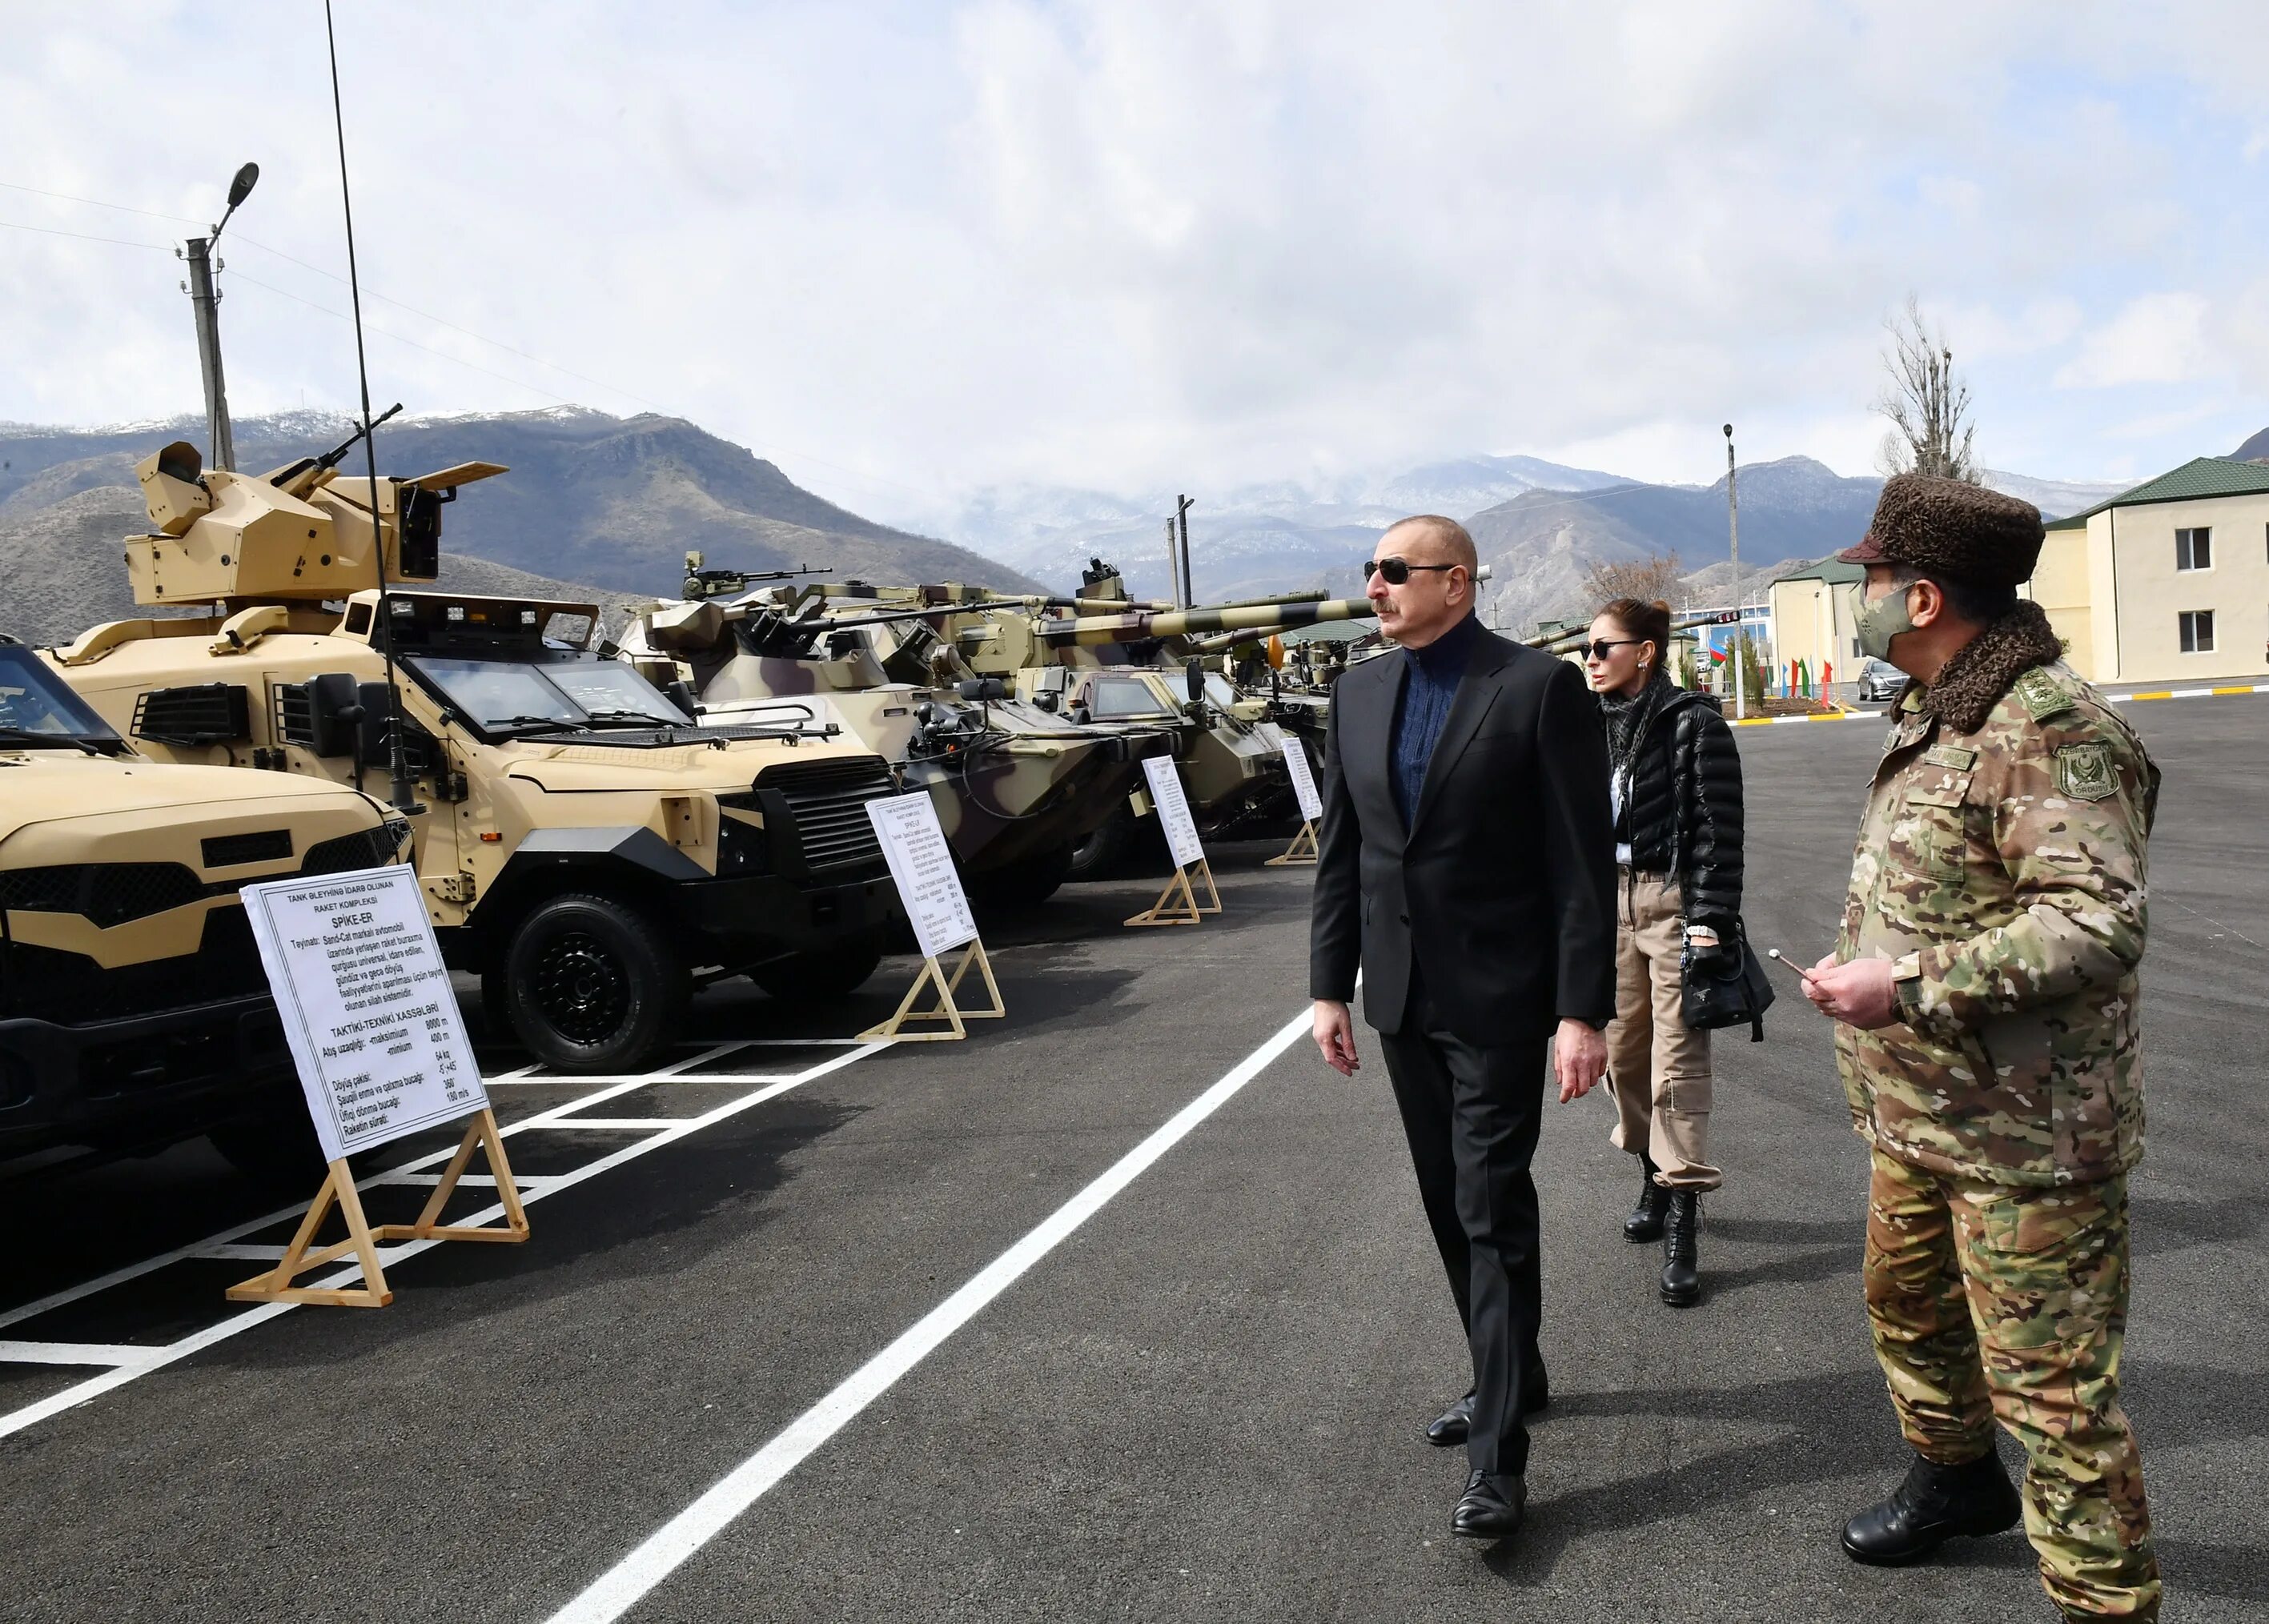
1502	891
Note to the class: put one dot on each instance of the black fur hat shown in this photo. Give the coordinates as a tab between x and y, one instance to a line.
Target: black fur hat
1952	527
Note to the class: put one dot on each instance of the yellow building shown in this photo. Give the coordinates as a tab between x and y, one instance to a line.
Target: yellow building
1812	621
2167	582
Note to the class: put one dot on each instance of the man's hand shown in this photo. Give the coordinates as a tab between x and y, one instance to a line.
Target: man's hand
1859	993
1335	1036
1579	1058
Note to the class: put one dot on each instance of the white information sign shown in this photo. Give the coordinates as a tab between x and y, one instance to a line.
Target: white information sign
366	1005
921	866
1304	781
1173	810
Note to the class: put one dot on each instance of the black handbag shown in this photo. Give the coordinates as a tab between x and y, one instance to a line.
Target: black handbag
1725	990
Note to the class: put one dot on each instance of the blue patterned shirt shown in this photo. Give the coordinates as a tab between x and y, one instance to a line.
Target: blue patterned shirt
1429	685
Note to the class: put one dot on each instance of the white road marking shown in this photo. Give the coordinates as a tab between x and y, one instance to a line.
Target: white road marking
132	1363
615	1591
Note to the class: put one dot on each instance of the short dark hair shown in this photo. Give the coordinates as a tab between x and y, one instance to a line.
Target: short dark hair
1980	606
1648	622
1449	532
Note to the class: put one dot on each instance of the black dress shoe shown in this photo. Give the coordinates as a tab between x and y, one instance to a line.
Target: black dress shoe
1933	1505
1492	1508
1456	1423
1681	1269
1452	1424
1646	1221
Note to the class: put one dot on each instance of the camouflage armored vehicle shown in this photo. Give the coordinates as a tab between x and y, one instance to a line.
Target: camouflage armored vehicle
1017	789
1100	660
582	845
133	1010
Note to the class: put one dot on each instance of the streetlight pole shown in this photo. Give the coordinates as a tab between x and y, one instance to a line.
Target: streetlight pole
1733	525
204	300
1182	506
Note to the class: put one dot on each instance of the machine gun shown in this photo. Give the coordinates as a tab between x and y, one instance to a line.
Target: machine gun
298	478
702	584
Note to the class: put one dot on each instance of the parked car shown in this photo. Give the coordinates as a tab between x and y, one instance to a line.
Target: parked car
1880	679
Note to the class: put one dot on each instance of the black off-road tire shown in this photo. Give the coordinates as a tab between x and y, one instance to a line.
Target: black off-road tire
590	985
1101	853
813	978
277	1147
1026	883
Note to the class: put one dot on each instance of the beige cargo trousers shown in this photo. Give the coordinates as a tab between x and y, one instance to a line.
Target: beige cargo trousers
1658	1068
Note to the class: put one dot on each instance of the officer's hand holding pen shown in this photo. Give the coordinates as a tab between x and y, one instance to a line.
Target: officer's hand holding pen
1859	993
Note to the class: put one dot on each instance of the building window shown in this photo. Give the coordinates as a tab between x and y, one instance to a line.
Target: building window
2194	550
2198	631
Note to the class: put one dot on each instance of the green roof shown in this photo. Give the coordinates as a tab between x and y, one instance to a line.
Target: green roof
1835	572
2199	478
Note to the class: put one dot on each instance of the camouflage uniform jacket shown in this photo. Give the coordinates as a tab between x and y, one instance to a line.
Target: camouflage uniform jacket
2002	872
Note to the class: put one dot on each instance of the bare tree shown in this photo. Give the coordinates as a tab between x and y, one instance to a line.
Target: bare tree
1643	578
1927	404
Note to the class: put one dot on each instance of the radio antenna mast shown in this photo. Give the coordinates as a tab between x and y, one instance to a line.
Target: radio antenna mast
402	788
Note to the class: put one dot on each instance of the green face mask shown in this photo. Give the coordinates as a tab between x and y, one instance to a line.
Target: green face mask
1881	619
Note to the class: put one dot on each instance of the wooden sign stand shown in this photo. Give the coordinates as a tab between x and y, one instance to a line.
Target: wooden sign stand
933	975
1301	852
1188	910
338	1187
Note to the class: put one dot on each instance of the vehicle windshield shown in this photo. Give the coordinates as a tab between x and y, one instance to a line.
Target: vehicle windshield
514	696
1218	691
35	704
1115	696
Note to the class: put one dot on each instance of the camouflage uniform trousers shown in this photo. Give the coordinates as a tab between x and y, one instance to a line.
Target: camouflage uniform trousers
1998	1301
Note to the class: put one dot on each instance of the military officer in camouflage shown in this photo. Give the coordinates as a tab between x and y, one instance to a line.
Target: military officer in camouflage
1984	990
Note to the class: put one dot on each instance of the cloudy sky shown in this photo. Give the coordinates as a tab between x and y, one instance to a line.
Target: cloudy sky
908	250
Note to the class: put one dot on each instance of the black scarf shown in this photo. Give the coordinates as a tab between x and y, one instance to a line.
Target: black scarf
1626	717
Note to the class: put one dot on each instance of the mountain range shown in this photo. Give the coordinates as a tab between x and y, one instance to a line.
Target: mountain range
602	505
1541	526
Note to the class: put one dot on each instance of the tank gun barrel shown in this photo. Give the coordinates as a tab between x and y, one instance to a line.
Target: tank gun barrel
1560	642
1247	620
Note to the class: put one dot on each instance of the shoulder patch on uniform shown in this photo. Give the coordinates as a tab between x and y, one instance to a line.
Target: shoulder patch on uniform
2043	695
2084	771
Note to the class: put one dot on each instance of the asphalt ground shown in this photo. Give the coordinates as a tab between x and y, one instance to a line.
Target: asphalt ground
1206	1401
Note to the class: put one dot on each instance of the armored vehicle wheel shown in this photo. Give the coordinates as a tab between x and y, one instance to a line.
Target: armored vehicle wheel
1025	884
278	1146
830	973
1102	850
588	984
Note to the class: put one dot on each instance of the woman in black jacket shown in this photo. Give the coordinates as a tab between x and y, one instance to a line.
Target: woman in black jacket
1675	786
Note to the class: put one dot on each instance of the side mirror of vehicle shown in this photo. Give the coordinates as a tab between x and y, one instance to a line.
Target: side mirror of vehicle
681	695
334	713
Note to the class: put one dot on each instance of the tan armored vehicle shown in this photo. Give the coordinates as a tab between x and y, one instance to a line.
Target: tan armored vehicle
582	846
1017	789
133	1010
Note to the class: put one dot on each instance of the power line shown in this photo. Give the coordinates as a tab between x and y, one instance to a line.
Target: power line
50	231
96	203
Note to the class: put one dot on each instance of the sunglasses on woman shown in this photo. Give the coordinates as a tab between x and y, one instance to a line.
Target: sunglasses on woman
1395	571
1597	648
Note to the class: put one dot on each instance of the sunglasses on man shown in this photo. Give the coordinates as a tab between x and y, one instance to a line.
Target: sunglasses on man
1395	571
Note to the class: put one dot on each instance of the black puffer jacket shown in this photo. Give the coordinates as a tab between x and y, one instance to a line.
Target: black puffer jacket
1683	814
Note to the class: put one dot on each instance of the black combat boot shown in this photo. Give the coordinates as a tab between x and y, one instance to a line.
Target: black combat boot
1681	1277
1933	1505
1646	1221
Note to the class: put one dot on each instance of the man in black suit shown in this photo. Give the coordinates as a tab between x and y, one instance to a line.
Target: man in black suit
1467	868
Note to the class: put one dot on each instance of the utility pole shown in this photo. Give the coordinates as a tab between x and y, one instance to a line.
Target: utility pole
1182	506
1740	631
1173	569
204	300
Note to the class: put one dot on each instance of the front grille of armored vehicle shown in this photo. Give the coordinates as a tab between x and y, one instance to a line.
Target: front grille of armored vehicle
72	989
827	802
